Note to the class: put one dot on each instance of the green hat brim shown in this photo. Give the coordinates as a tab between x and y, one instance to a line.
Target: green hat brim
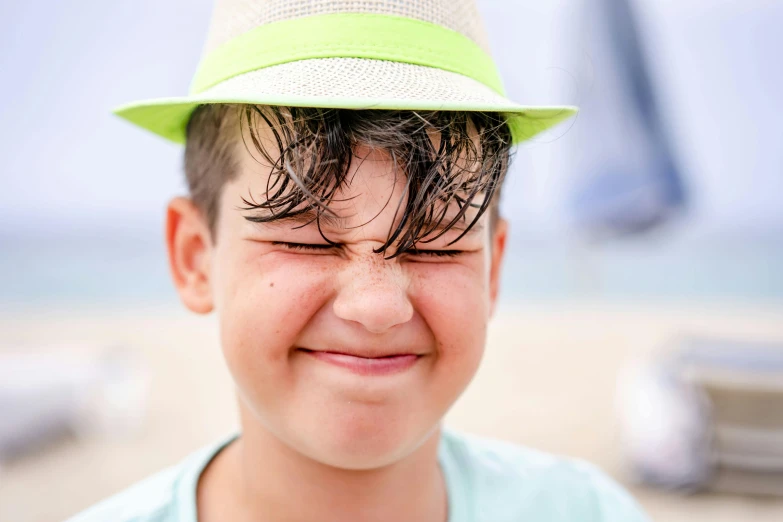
168	117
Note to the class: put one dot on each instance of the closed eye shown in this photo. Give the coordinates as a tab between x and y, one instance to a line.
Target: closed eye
312	247
323	247
435	253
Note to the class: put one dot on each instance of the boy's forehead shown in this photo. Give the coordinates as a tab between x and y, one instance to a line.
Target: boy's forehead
371	183
374	192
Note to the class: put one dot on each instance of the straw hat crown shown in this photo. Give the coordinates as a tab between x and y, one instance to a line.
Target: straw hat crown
231	18
350	54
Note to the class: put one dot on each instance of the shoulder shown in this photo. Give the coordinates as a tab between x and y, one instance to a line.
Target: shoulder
150	500
167	496
505	481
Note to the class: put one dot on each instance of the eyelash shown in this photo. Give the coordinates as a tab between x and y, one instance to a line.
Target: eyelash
302	246
316	248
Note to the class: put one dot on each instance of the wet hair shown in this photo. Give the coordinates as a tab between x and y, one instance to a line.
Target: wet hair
451	161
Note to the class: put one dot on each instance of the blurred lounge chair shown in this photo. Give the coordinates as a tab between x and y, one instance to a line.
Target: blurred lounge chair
720	404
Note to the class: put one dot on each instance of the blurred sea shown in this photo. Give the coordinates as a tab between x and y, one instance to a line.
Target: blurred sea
111	269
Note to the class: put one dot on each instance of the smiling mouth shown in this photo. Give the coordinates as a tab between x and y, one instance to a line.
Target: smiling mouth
368	366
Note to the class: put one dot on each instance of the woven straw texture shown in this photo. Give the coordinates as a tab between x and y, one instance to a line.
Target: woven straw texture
234	17
373	82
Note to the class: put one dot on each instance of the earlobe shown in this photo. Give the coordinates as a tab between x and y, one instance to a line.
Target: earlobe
189	249
499	237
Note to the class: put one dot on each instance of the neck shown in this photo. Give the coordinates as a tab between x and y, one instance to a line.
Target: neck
262	478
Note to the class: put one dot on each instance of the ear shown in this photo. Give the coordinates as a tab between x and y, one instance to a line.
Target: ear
189	245
498	242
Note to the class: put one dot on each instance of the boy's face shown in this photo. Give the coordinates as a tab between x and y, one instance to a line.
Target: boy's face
347	357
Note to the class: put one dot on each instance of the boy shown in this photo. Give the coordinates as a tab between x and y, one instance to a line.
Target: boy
344	161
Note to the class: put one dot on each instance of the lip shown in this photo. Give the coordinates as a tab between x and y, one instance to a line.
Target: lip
369	366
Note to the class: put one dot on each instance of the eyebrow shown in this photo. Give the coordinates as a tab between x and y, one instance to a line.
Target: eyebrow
299	219
311	216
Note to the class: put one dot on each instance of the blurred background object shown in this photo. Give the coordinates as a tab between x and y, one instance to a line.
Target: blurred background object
707	414
626	177
656	214
54	391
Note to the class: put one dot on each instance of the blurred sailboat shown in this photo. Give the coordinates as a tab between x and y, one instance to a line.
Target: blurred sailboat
626	180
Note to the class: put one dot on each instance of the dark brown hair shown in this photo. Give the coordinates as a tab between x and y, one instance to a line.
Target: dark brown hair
450	160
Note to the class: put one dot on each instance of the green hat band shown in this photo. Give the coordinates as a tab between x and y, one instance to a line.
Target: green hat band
377	37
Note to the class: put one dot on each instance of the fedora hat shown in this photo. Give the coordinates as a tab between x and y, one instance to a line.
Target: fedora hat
348	54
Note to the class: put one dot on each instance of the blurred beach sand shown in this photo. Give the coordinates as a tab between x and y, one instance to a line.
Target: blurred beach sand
547	381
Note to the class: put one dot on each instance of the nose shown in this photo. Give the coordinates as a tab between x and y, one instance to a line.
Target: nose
373	293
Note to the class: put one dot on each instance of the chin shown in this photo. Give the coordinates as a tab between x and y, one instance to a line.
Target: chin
363	443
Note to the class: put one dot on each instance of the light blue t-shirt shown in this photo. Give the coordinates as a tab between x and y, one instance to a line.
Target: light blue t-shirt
487	481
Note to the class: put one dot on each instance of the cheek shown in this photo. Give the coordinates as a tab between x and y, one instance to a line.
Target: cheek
454	302
264	303
458	292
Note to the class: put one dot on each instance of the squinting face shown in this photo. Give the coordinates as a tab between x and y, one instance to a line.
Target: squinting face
349	358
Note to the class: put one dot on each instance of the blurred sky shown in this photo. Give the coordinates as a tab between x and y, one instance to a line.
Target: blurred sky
68	164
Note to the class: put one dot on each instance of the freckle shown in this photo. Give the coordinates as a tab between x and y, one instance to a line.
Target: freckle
271	285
